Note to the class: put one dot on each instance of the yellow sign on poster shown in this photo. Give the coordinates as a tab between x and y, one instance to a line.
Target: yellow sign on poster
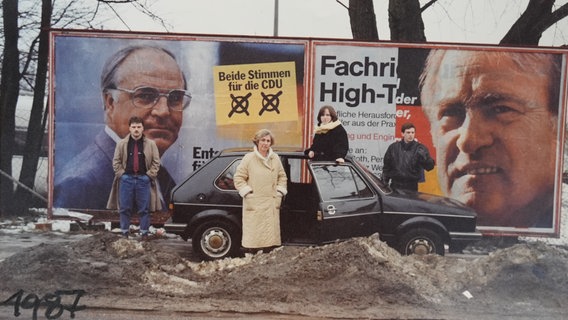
255	93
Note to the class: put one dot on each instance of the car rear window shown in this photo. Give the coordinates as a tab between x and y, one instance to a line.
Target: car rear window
225	180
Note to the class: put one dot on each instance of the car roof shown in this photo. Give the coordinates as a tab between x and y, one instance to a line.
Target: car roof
283	151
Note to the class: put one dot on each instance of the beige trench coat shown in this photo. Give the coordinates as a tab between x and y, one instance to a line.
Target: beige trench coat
262	184
152	157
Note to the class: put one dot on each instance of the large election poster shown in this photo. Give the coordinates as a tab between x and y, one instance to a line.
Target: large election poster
231	88
492	118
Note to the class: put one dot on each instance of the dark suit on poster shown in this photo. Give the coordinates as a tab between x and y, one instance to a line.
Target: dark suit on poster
85	181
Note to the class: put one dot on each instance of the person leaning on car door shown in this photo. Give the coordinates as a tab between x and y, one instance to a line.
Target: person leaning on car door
330	141
261	181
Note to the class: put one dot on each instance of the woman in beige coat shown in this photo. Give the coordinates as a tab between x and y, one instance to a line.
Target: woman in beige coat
261	181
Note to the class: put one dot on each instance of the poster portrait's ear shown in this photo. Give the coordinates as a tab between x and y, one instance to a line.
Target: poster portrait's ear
108	100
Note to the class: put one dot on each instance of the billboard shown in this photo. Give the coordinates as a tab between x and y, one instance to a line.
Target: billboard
237	87
492	117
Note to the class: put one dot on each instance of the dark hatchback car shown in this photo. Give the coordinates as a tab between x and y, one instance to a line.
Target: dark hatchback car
326	202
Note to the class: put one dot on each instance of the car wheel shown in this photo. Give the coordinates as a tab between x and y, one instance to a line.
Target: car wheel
215	240
421	242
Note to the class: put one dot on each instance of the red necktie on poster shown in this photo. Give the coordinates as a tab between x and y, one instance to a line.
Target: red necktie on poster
135	165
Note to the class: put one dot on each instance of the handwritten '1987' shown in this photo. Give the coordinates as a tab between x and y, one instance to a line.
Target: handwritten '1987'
52	302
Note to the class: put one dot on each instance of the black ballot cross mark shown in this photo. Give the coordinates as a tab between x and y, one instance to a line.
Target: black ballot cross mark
239	104
270	102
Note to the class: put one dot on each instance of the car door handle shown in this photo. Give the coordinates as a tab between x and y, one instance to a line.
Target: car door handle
331	209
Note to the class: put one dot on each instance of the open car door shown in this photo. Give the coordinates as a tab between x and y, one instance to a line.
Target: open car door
349	207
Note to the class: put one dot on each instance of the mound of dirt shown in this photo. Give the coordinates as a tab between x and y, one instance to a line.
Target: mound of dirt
359	278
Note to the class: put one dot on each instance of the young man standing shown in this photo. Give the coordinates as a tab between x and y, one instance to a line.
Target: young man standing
136	163
405	160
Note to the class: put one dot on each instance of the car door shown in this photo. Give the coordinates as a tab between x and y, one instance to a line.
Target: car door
298	213
348	204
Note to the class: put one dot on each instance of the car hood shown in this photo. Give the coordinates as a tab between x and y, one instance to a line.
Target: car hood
419	202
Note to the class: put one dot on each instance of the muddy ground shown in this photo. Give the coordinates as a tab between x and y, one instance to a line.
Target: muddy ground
361	278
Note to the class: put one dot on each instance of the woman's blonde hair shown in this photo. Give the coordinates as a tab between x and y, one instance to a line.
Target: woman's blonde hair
261	134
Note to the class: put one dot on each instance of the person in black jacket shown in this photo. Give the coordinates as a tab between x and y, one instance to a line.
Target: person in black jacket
405	161
330	139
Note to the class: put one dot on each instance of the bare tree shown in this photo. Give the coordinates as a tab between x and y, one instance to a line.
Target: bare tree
406	24
405	21
537	17
38	117
363	20
9	91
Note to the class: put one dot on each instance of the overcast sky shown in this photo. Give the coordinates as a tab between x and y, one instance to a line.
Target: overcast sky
470	21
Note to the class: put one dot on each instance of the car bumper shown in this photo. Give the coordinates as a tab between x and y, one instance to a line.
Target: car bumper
175	228
465	237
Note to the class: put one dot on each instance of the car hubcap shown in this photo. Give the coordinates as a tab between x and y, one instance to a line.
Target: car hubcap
420	247
216	241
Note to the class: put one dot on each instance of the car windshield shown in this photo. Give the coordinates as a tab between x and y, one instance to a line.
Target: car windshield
380	183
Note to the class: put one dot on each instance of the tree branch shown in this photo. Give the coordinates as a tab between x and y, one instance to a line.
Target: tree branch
554	17
427	5
116	1
341	3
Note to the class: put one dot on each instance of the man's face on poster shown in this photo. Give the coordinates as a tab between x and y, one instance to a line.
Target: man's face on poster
153	69
494	134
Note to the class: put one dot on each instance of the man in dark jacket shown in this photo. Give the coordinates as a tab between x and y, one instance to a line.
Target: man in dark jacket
405	161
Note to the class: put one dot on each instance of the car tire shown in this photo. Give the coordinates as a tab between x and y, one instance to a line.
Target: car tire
215	239
421	241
